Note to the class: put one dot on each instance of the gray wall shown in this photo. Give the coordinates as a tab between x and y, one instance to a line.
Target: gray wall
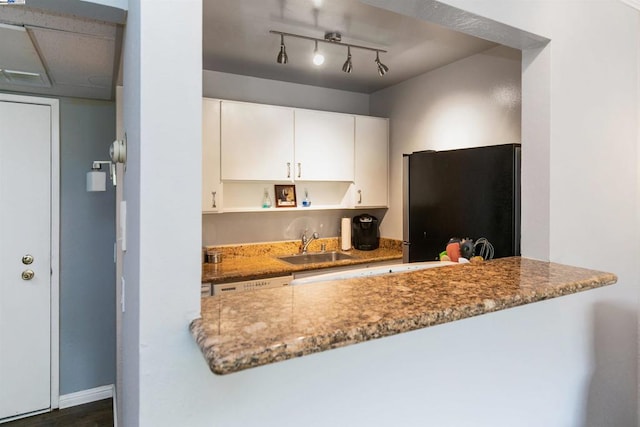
252	227
470	103
228	228
87	282
264	91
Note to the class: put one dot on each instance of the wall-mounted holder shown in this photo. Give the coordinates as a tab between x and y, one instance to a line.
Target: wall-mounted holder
97	178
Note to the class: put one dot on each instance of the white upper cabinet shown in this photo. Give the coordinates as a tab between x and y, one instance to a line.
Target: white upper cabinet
372	162
211	186
340	160
257	142
324	146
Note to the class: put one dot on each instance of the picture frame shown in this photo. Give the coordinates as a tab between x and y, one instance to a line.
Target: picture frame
285	196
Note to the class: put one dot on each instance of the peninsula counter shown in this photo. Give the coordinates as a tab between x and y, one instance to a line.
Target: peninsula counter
248	329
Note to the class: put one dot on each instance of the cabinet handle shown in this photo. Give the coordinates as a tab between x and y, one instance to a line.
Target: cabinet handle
359	197
288	170
213	199
299	170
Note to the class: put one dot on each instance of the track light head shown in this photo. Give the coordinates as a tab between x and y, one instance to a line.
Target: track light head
282	55
347	67
382	69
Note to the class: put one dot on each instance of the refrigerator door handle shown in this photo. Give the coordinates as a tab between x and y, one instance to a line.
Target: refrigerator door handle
517	226
405	251
405	209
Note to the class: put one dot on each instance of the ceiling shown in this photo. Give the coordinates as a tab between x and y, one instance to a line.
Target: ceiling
72	48
236	40
46	52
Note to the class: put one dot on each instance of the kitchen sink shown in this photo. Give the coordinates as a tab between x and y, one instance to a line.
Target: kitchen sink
313	258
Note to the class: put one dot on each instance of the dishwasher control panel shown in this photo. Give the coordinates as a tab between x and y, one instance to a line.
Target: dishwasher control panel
251	285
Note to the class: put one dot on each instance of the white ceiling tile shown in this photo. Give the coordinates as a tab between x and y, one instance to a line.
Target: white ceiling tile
19	54
76	59
75	55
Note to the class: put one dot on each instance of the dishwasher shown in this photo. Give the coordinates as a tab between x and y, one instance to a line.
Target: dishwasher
251	285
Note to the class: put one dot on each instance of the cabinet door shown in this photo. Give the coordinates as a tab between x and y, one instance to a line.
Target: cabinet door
211	187
372	162
257	142
324	146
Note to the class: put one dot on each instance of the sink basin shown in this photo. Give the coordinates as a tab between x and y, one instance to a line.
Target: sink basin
315	257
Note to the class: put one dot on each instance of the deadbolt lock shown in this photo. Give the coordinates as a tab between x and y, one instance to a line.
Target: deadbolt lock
27	259
28	275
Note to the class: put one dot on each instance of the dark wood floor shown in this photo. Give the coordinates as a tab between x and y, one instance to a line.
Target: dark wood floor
95	414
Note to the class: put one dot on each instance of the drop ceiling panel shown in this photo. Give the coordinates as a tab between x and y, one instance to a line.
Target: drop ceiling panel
80	56
75	59
19	55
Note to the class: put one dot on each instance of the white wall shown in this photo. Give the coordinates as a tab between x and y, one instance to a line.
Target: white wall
565	362
129	413
470	103
162	263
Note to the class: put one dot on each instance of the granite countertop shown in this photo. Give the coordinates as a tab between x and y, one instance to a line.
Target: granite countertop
257	261
247	329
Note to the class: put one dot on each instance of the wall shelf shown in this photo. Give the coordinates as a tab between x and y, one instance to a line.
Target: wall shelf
298	209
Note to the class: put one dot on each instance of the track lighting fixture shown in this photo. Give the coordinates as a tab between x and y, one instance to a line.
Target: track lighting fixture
318	58
331	38
347	67
282	56
382	69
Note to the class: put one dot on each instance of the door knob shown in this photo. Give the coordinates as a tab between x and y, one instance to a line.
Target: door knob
28	275
27	259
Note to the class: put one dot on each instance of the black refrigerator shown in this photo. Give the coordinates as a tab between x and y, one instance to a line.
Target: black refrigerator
467	193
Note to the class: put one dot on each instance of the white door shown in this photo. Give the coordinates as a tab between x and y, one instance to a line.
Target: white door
25	231
256	142
211	188
324	146
372	162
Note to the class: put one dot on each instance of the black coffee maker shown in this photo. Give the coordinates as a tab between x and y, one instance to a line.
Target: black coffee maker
365	235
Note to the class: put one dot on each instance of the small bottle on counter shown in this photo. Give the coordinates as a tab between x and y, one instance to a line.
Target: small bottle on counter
266	199
306	202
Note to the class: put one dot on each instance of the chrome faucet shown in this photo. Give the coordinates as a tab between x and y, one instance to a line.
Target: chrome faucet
306	241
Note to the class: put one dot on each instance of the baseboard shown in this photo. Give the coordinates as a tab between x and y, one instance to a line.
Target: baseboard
86	396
